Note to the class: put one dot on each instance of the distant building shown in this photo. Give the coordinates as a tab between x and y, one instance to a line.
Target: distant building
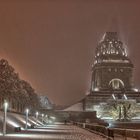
45	103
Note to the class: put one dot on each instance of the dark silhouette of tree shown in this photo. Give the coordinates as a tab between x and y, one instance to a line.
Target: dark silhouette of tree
32	98
15	89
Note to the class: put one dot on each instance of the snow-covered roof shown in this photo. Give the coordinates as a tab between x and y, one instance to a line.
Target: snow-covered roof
75	107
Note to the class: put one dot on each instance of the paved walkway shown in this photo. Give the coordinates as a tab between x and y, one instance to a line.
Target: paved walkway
54	132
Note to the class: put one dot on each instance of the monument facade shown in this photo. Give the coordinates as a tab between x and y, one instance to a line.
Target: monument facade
112	74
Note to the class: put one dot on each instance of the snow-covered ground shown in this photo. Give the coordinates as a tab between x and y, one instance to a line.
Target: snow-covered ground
17	120
49	132
54	132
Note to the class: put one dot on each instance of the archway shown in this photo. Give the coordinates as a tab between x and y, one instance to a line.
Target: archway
116	84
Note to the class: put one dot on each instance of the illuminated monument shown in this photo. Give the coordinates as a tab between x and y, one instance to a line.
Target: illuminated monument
112	74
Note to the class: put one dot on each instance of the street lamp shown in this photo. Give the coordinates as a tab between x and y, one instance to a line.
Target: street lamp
5	116
36	115
27	114
42	117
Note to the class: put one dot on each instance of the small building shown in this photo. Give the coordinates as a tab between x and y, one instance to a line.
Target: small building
45	103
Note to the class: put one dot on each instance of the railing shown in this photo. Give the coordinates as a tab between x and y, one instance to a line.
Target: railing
110	133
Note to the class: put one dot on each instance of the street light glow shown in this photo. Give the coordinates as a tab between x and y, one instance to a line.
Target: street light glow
27	110
135	89
125	97
36	113
52	117
5	104
96	89
113	96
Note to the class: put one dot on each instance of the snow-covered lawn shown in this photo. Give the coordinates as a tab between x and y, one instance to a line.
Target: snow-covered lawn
54	132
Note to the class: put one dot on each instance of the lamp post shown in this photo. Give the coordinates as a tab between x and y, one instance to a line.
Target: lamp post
42	117
27	114
36	115
5	116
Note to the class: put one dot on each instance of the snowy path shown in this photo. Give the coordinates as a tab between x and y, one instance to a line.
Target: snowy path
54	132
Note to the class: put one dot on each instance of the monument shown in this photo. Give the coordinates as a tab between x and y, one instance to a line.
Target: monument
112	74
112	87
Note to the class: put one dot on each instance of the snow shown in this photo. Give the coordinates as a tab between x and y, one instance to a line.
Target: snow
55	132
76	107
17	120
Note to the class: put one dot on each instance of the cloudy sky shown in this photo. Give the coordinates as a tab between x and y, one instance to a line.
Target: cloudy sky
51	43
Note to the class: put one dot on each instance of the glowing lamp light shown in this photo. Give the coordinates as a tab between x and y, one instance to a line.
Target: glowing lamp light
27	110
53	118
136	90
32	122
50	121
113	96
12	123
36	113
95	62
96	89
125	97
6	104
